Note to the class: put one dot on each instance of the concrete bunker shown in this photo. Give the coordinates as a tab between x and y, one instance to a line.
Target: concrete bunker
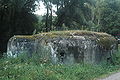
67	47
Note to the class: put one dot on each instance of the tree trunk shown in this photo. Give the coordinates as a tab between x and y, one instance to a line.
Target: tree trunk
51	18
47	15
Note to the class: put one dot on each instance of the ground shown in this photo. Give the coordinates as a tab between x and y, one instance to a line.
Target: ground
115	76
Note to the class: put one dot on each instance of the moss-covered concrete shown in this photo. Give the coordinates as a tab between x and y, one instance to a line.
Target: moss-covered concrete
101	38
66	46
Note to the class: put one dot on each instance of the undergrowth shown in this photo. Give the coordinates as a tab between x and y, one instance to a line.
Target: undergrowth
25	68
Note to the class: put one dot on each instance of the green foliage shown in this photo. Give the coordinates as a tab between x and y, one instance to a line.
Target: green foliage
95	15
25	68
110	16
16	17
116	56
73	11
12	69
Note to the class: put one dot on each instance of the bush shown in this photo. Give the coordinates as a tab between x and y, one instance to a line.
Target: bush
116	57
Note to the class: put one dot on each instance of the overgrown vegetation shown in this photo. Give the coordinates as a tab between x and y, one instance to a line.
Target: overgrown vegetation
17	17
116	57
95	15
24	68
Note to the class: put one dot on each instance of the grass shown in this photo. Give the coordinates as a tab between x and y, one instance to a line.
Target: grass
16	69
65	33
23	68
13	70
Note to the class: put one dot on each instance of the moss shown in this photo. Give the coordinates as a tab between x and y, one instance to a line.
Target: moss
25	37
65	34
106	42
54	34
102	39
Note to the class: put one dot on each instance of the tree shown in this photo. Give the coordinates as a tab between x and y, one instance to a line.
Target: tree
48	20
95	15
72	12
16	17
110	16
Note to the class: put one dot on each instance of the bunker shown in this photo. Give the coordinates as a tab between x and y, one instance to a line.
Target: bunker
66	47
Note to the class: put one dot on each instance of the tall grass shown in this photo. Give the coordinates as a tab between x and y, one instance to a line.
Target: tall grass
25	68
16	69
116	56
